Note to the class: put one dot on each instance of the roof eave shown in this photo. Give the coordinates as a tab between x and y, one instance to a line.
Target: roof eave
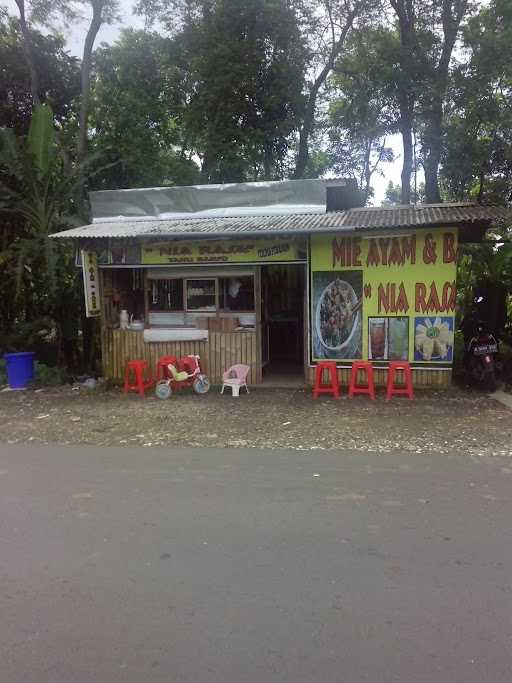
474	225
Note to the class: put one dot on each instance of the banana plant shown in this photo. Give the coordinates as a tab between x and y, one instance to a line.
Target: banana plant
35	190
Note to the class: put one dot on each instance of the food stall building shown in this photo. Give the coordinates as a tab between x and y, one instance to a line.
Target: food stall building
277	275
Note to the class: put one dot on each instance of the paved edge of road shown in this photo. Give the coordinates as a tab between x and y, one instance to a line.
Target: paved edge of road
503	398
255	451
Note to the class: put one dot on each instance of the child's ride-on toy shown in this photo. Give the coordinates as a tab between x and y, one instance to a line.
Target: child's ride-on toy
186	374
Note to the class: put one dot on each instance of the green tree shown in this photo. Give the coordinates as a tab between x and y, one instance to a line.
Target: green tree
428	34
477	163
327	27
251	60
244	64
362	109
137	114
35	199
43	12
444	24
59	77
393	194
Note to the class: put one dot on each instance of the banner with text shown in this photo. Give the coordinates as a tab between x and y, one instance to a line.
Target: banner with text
91	284
384	298
259	250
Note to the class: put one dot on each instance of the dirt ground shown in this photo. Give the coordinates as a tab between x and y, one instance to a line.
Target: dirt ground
451	421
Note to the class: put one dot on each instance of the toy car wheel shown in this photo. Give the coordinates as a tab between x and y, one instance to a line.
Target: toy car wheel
201	384
163	390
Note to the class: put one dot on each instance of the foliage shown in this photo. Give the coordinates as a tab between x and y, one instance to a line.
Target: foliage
361	110
136	121
246	64
327	28
58	72
428	31
35	196
478	160
232	91
393	194
50	12
48	376
483	263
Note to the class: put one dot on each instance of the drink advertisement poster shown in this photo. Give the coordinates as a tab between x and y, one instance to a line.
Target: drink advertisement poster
384	298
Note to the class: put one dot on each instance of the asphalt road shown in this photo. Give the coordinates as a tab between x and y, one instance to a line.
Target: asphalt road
235	566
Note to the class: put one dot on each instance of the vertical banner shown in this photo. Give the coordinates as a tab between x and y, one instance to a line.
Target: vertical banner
384	298
91	284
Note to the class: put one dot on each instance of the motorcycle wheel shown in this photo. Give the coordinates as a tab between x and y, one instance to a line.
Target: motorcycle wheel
163	390
201	384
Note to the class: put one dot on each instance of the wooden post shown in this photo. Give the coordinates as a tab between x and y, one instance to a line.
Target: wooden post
103	325
146	298
306	323
258	370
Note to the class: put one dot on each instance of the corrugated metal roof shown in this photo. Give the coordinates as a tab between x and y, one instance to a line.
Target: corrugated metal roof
368	218
267	198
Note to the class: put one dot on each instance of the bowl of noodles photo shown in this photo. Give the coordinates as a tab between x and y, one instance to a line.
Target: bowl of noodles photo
337	315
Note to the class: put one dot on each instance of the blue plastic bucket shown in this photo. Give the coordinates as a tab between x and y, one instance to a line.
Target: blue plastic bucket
20	369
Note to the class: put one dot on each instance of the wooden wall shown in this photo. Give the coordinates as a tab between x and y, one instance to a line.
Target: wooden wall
420	378
222	350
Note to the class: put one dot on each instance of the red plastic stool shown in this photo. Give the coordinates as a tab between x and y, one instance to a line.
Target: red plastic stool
162	371
332	387
400	390
354	387
141	375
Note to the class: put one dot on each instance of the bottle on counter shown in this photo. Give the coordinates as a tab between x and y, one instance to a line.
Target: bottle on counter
124	319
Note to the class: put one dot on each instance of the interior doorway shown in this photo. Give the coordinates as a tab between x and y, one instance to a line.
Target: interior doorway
283	295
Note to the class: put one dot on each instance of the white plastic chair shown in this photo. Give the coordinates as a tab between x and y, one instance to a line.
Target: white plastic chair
236	378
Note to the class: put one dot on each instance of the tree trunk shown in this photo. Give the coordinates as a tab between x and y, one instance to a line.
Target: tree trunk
432	142
267	162
367	171
28	49
406	120
432	157
452	12
206	167
404	10
304	133
96	21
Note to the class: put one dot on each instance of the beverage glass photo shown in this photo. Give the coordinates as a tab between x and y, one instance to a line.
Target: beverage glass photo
377	337
398	338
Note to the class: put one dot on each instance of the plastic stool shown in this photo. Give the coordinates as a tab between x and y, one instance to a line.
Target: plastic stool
162	371
406	388
354	387
142	376
332	387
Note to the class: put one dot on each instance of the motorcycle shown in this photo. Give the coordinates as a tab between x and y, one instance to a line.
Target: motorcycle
482	358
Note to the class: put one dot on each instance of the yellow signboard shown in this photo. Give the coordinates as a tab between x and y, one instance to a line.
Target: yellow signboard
91	284
384	298
258	250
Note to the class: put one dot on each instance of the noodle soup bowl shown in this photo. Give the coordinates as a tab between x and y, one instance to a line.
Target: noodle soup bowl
351	325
